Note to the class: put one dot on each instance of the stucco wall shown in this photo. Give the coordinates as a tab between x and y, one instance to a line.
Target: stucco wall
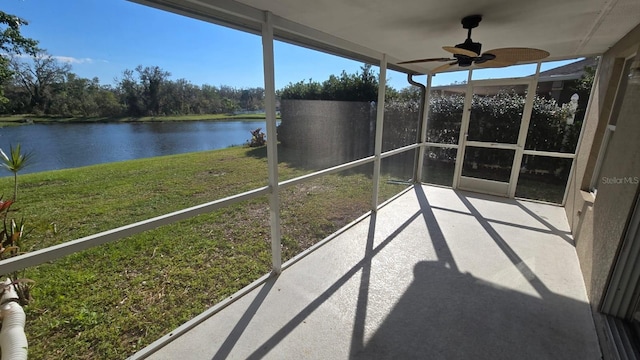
598	223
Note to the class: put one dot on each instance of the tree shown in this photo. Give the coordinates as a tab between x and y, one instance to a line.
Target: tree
361	86
129	92
367	84
152	79
311	90
12	43
38	78
107	102
409	93
178	96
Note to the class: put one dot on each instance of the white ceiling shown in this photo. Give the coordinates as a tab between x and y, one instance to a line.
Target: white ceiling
410	29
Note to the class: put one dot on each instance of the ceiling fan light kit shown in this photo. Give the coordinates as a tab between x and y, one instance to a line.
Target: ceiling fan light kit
470	53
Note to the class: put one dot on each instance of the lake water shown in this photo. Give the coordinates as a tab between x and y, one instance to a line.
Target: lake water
62	146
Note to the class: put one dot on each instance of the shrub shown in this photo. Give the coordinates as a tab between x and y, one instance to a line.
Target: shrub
257	138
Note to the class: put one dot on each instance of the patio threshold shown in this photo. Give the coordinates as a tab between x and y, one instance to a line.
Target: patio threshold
436	273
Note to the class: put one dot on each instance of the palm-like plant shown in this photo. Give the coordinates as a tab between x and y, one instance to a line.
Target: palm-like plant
14	163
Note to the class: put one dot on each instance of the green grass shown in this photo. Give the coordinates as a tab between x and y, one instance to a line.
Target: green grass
112	300
27	118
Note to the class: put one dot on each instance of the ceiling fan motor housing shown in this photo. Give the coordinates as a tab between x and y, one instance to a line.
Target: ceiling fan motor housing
463	60
468	44
469	22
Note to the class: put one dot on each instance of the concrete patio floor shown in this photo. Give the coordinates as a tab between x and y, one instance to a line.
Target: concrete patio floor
435	274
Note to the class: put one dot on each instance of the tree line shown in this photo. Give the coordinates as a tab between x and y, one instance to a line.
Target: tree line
359	86
34	82
43	85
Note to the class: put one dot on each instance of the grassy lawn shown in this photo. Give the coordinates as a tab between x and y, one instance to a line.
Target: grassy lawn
27	118
112	300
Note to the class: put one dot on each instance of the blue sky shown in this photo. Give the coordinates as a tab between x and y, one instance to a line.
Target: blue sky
104	37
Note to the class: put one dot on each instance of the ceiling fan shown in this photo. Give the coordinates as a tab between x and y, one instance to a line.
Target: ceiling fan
469	53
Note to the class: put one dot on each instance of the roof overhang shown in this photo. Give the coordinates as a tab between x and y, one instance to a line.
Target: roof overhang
410	29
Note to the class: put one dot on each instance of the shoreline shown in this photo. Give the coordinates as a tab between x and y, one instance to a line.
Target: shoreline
17	120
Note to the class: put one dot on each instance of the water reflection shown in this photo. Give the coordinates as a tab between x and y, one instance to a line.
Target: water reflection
61	146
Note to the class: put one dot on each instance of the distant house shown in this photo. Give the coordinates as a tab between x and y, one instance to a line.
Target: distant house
555	81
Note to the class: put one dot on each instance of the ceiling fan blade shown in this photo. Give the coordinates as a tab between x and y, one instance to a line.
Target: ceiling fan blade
514	55
494	64
459	51
425	60
443	67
